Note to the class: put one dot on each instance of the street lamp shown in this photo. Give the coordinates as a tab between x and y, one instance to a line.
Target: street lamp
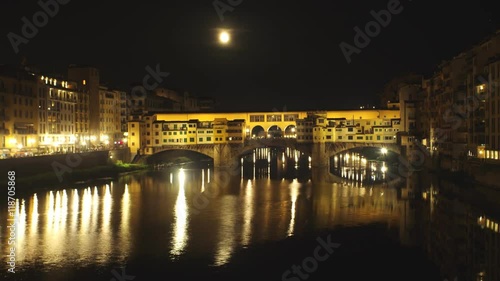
383	150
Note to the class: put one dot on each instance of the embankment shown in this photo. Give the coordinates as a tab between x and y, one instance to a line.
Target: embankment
56	170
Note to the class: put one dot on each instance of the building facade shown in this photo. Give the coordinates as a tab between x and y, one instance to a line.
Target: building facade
317	127
89	79
461	104
110	115
18	110
57	100
149	133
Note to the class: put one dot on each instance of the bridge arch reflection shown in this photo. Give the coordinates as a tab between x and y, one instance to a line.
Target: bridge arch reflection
276	163
364	166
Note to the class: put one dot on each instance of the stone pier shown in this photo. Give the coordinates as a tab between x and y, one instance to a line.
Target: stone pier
319	156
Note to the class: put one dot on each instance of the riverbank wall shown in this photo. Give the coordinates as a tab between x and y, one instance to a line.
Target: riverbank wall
31	166
32	173
485	172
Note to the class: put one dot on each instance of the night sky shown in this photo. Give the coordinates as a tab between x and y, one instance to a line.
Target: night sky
285	55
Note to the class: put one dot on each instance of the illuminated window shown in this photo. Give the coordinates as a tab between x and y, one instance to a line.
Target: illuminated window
481	88
84	82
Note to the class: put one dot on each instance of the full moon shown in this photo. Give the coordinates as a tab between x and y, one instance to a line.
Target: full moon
224	37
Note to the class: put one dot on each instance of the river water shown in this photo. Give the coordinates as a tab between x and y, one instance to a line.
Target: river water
258	222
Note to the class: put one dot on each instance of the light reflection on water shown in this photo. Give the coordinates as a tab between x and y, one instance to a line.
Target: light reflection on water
180	236
294	194
355	167
72	226
248	213
110	223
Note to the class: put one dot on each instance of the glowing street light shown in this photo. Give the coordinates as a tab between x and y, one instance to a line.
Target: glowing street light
383	150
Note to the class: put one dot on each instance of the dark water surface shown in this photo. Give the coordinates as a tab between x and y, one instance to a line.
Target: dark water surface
257	225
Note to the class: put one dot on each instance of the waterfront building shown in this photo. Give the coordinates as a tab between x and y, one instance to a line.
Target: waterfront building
136	133
18	109
38	112
124	112
461	104
104	108
317	127
56	110
110	115
149	133
82	117
89	79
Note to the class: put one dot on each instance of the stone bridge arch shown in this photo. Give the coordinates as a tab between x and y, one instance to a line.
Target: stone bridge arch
206	150
225	155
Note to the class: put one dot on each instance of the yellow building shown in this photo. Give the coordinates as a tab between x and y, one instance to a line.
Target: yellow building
136	134
56	111
318	127
109	115
150	132
205	133
82	119
235	131
18	111
220	131
88	79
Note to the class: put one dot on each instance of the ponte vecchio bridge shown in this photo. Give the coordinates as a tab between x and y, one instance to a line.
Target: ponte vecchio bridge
227	136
